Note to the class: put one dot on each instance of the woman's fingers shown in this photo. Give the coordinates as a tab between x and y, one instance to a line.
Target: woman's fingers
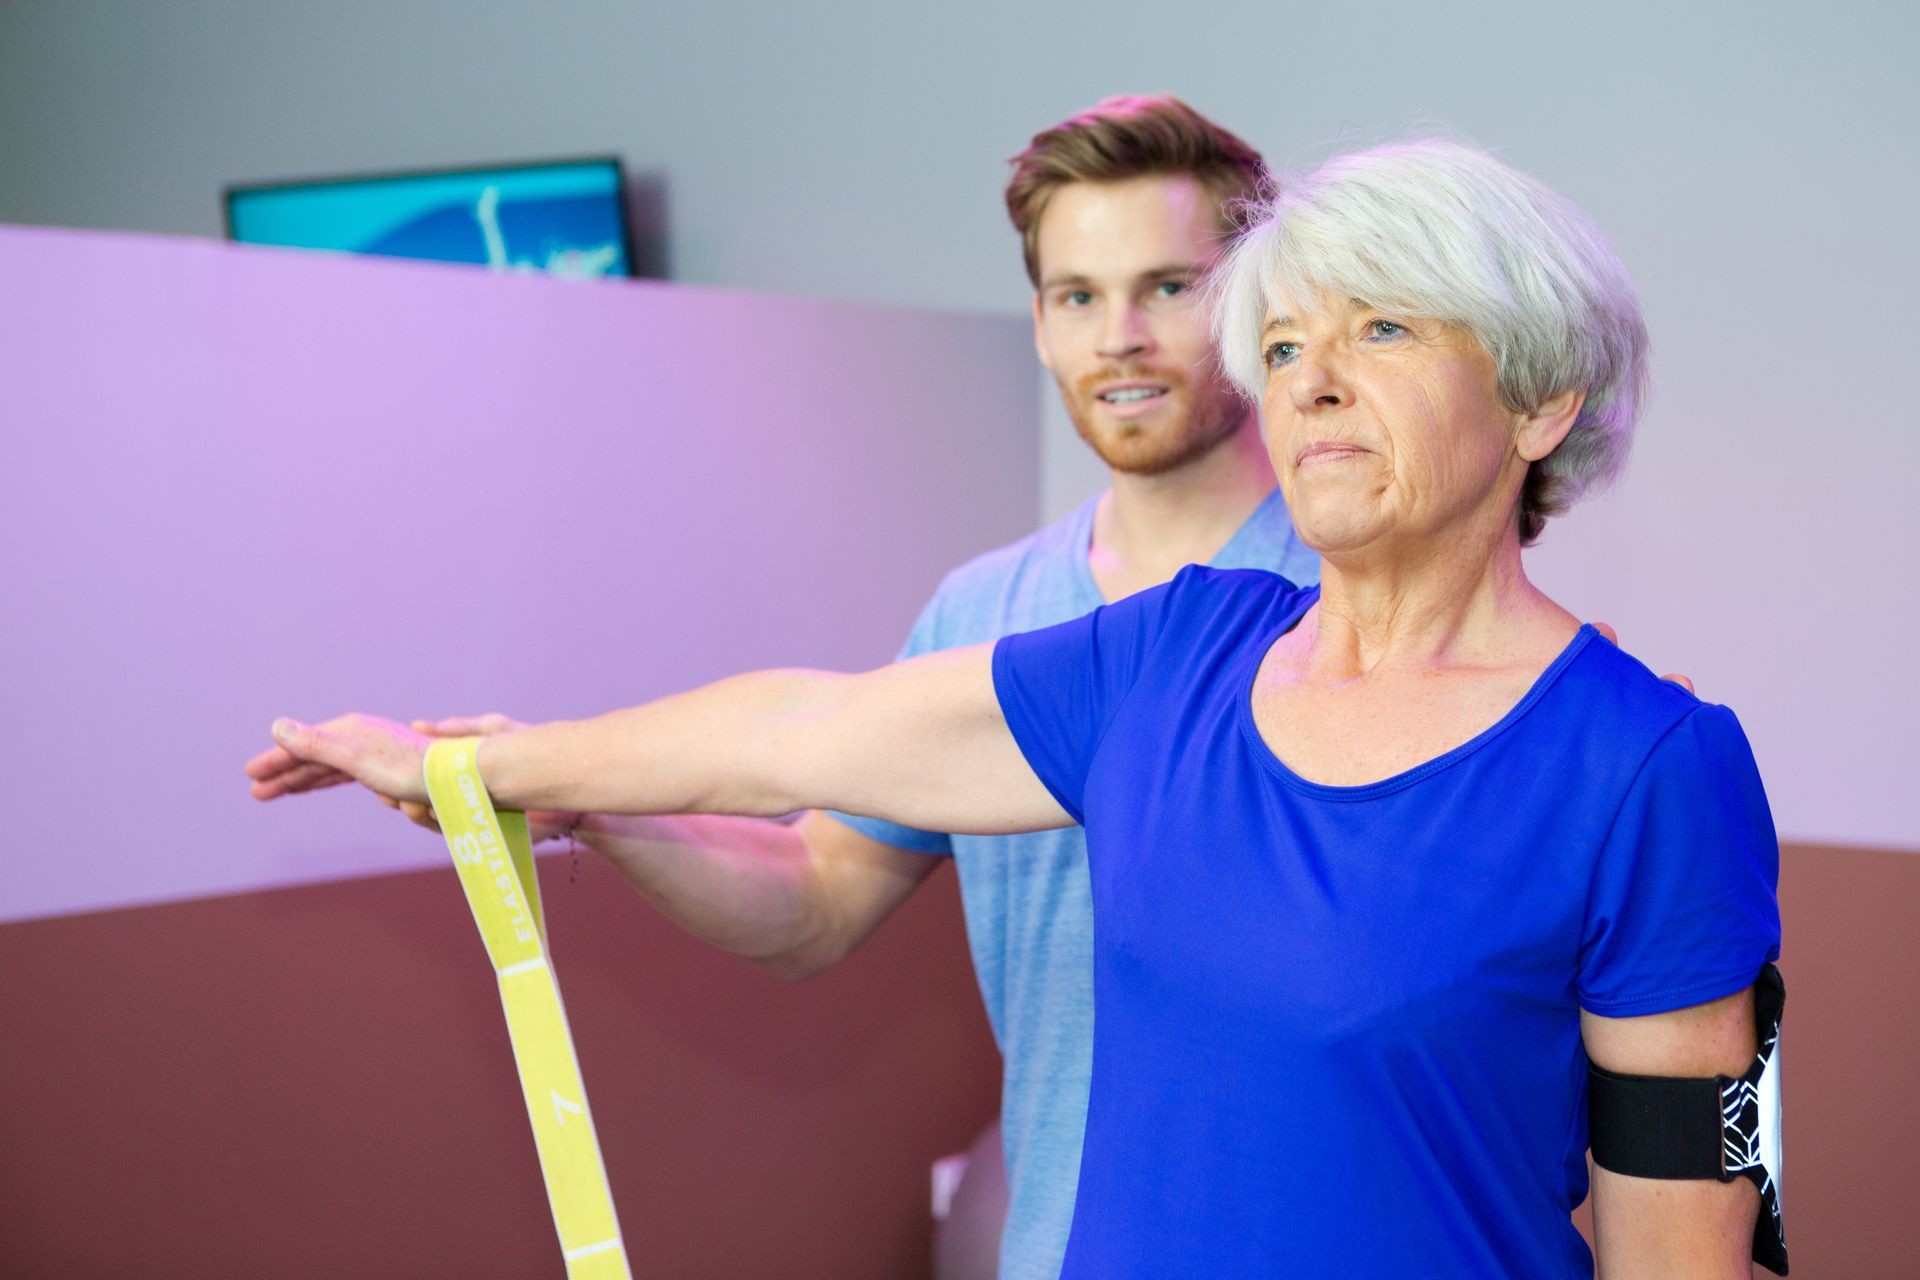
312	746
269	763
297	777
378	754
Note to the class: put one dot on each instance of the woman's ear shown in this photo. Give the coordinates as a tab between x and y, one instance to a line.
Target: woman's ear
1542	430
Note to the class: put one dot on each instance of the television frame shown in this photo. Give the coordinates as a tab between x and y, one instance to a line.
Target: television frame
230	190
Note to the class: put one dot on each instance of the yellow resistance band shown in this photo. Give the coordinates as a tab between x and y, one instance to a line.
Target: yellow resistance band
495	861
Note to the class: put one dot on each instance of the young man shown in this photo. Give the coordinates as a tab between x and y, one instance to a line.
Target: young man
1120	210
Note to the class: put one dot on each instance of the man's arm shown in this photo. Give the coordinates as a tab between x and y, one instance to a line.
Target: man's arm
1674	1230
793	899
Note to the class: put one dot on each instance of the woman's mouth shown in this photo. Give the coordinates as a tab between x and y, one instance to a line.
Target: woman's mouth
1325	451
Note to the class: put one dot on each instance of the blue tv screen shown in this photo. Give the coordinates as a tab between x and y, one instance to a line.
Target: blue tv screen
565	218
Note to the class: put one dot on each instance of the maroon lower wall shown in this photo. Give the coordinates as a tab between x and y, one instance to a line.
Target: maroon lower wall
316	1082
1851	1039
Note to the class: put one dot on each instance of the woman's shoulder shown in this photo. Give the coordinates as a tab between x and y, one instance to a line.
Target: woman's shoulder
1245	587
1621	698
1241	578
1220	604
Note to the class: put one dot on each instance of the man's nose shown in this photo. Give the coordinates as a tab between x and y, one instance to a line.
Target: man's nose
1124	332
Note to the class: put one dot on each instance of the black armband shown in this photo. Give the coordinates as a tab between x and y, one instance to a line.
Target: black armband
1719	1127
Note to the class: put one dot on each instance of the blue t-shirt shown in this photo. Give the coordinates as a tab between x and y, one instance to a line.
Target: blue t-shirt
1337	1029
1028	907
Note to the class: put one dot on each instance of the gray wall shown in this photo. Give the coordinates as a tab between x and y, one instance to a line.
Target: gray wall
871	136
1753	161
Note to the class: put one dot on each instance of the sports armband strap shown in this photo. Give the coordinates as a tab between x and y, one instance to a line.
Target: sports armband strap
1718	1127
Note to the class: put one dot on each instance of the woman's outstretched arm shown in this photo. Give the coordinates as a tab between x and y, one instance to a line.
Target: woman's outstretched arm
921	742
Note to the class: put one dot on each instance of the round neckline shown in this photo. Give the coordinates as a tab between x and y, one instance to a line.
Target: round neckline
1274	765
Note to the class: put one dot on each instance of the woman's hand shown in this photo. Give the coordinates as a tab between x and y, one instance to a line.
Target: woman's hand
381	755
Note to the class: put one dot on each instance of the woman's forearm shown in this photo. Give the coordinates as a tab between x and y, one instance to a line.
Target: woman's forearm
731	747
921	742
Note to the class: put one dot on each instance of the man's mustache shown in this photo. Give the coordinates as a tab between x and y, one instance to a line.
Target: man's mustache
1087	384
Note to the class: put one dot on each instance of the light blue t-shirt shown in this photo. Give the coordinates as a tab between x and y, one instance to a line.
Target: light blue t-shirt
1028	904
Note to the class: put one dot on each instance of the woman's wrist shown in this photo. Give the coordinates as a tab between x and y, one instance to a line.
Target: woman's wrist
495	759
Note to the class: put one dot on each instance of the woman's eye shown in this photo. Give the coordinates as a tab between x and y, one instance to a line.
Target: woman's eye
1280	354
1386	329
1170	288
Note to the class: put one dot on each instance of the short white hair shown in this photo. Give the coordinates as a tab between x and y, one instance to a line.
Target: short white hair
1440	230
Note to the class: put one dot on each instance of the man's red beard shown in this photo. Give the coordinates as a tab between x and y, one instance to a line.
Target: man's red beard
1187	426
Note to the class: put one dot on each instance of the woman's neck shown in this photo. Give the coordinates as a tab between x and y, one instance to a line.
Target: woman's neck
1459	598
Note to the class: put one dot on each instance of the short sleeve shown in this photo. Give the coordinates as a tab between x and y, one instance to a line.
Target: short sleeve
1684	904
1060	687
924	638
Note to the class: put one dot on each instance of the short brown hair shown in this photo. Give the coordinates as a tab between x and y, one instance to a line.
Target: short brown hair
1131	136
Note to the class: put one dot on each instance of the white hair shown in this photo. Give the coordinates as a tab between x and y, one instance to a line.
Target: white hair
1439	230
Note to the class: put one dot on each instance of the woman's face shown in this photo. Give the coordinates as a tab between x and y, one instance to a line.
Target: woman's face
1385	430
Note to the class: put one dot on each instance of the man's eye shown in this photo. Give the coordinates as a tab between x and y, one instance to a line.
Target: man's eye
1075	298
1279	354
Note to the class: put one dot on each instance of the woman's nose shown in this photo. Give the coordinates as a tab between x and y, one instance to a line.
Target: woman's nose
1316	383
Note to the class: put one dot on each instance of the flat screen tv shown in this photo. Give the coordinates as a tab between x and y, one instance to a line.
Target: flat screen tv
566	218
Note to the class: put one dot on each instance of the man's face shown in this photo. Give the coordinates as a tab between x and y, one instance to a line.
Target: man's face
1116	322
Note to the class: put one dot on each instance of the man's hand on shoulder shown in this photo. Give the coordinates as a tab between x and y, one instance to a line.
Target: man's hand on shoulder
1613	638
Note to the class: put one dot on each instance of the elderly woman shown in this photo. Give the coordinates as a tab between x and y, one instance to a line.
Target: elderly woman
1375	867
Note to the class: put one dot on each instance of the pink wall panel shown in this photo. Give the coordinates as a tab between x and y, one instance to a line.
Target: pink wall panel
228	472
